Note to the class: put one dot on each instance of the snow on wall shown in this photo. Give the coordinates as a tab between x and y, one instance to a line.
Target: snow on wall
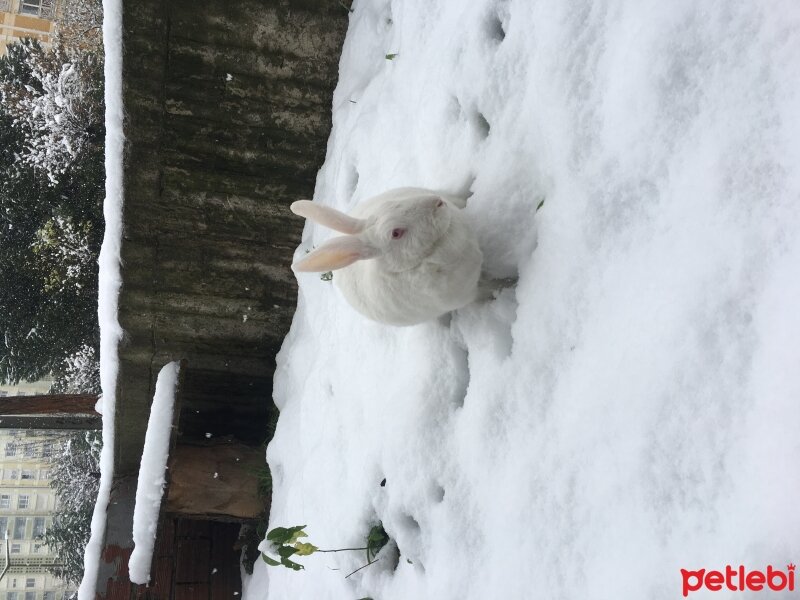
152	473
109	285
630	407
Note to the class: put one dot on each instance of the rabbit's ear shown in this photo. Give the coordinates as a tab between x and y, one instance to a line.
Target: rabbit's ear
329	217
336	254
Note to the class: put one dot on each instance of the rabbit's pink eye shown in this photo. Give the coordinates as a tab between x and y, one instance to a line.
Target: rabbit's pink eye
398	233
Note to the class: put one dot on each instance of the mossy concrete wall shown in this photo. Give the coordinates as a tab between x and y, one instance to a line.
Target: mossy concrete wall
228	108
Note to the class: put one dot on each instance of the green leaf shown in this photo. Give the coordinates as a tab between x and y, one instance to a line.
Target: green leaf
286	551
270	561
279	535
285	535
540	205
291	564
296	536
327	276
392	56
376	540
305	549
377	535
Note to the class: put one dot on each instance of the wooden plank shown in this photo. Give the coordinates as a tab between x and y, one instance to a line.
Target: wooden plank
193	557
225	558
74	404
192	529
192	591
218	479
165	541
120	589
162	577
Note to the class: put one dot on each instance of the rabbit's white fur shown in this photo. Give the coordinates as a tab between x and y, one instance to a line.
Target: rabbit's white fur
433	267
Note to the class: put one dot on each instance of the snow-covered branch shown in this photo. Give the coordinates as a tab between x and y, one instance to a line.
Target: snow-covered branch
56	103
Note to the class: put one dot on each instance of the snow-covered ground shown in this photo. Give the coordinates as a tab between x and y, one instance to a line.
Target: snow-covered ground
631	407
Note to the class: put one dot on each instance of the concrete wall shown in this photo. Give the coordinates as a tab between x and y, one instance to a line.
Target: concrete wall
227	117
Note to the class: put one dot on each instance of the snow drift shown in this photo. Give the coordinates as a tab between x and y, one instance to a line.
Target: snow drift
630	408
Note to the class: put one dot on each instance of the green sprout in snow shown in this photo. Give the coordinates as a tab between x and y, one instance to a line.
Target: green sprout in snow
286	543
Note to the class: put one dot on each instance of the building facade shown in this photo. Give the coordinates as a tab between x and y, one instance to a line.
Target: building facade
27	18
26	388
26	509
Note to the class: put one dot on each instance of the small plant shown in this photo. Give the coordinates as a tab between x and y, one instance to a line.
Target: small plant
392	56
254	531
286	543
264	477
376	540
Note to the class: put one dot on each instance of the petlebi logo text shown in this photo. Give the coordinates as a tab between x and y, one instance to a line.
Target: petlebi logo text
739	579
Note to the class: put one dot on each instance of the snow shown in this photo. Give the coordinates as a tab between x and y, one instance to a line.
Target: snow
152	473
109	285
629	408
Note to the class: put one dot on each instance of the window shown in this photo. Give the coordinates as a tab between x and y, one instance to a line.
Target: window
16	548
30	595
3	526
30	450
22	501
47	449
44	474
30	582
30	7
14	474
5	501
27	474
12	595
39	8
49	596
3	394
20	523
38	527
11	449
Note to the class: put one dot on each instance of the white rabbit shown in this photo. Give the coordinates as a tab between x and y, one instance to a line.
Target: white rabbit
408	255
